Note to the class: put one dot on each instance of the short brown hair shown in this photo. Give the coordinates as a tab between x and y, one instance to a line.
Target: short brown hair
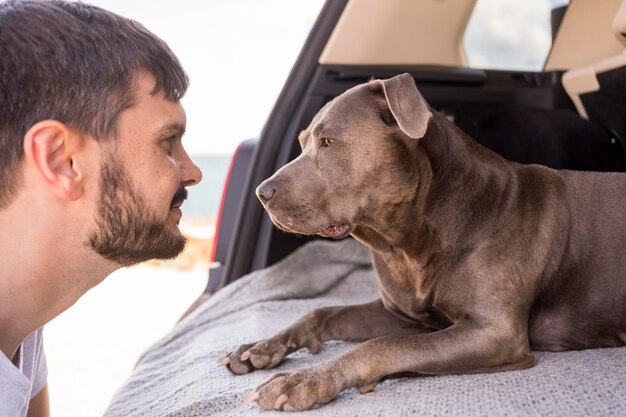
75	63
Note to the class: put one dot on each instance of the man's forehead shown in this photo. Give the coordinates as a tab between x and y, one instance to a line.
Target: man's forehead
144	81
164	113
144	84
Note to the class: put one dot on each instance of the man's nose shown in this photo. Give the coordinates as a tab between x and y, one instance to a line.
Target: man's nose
266	191
190	174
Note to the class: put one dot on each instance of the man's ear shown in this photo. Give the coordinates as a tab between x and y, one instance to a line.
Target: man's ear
51	147
407	105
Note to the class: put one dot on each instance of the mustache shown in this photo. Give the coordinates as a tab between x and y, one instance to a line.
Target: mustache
179	197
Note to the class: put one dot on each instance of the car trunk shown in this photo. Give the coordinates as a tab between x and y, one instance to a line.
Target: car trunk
525	116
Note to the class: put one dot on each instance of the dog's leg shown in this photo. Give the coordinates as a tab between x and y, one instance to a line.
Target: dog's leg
464	347
349	323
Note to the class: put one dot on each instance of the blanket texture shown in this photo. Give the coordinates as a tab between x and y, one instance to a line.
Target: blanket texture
179	375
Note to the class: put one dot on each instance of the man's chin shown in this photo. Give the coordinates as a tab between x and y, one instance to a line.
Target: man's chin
162	253
164	245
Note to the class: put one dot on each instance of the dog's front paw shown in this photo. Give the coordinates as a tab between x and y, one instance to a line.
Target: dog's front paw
236	362
297	391
265	354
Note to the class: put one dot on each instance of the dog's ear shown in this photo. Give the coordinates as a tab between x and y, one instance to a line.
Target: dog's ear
407	105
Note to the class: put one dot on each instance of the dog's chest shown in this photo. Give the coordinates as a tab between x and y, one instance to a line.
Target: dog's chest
402	284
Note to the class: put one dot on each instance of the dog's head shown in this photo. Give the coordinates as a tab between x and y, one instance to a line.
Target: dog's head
357	158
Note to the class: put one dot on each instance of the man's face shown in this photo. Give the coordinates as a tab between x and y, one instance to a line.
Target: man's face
144	172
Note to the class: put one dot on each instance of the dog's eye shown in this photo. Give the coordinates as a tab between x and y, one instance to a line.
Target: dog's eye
326	141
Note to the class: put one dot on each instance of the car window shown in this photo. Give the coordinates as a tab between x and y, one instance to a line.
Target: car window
510	34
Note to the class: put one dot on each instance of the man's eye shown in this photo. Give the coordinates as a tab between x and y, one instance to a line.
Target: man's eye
326	141
169	144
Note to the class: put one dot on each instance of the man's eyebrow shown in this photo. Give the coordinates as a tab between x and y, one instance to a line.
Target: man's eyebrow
171	129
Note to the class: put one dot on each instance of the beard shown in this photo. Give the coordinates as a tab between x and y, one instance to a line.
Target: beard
127	231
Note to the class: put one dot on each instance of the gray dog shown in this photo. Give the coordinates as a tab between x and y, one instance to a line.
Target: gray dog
479	260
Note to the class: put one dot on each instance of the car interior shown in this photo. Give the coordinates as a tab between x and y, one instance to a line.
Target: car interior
568	116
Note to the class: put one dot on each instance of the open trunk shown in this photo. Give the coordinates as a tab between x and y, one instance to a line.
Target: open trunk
525	116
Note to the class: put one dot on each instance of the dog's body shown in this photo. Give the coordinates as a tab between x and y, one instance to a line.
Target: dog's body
479	260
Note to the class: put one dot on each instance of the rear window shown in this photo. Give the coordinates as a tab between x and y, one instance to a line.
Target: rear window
510	34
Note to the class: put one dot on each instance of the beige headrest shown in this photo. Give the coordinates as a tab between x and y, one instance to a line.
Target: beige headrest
585	36
399	32
619	23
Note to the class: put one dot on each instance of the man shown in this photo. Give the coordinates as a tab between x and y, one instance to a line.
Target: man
92	169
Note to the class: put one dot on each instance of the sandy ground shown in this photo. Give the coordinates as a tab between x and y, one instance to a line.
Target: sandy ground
92	347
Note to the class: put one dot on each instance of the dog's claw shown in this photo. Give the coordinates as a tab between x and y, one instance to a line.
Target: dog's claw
224	361
280	401
245	355
252	397
366	389
291	343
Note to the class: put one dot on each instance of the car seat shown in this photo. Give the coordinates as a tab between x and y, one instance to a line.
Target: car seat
597	90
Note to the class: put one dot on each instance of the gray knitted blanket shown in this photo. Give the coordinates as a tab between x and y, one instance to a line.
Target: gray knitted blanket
179	375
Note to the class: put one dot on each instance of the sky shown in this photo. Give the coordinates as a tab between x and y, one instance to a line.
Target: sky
238	53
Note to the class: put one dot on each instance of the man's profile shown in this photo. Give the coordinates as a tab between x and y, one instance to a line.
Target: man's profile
92	169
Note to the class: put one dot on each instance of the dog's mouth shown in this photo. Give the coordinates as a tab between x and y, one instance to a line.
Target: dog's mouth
336	231
292	224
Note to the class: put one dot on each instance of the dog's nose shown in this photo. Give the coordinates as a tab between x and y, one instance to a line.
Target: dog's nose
265	191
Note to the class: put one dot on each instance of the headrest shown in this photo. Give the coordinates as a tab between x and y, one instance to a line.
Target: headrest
619	23
585	35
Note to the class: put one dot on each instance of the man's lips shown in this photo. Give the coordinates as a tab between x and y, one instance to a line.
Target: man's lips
179	198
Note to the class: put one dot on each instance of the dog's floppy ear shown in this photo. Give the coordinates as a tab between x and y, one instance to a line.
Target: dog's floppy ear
407	105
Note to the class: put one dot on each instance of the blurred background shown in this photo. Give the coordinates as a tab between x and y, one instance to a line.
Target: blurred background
238	54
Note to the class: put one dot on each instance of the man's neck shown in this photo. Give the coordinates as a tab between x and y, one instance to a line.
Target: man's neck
42	274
